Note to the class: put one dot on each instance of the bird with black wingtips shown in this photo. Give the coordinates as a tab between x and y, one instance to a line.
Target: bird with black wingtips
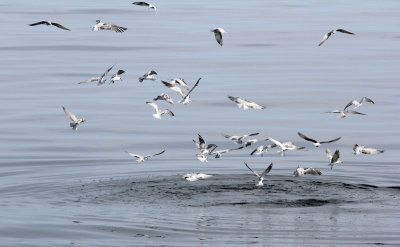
328	34
260	177
159	112
48	23
358	103
116	76
105	26
151	6
333	159
148	76
75	120
342	113
141	158
218	35
315	142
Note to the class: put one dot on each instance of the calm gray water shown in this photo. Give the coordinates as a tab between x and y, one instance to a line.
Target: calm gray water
60	187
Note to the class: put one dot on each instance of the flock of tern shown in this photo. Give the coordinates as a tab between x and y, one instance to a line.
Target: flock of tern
179	86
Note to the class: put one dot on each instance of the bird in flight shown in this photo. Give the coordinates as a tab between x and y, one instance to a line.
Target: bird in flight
218	34
105	26
333	159
165	97
159	112
151	6
327	35
116	76
100	79
75	121
246	104
260	177
314	142
186	99
358	104
342	113
143	158
238	139
48	23
148	76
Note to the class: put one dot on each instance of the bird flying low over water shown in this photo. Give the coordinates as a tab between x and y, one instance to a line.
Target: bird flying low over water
218	34
362	149
300	171
284	146
148	76
342	113
75	121
358	104
100	79
260	177
186	99
203	147
327	35
174	87
238	139
105	26
245	104
48	23
159	112
217	154
333	159
260	150
314	142
143	158
151	6
165	97
116	76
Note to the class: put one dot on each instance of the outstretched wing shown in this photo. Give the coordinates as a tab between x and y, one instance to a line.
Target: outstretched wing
344	31
255	173
348	104
306	138
38	23
334	140
266	171
195	85
276	142
328	154
59	26
133	155
218	37
355	112
367	100
326	36
159	153
335	156
70	115
154	105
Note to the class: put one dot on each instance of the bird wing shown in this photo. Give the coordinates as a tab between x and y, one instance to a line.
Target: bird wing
120	72
306	138
59	26
133	155
344	31
336	139
154	105
254	105
234	99
328	154
266	171
117	28
90	79
255	173
371	151
218	37
326	36
181	82
253	134
367	100
335	156
167	112
70	115
312	171
355	112
158	153
348	104
195	85
141	3
104	74
38	23
202	143
276	142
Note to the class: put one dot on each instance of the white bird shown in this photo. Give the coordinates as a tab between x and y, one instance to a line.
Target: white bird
333	159
249	142
342	113
151	6
238	139
148	76
75	121
358	104
186	99
195	176
174	87
203	147
48	23
158	112
260	177
314	142
179	81
116	76
202	157
218	34
100	79
300	171
246	104
217	154
105	26
260	150
362	149
165	97
284	146
327	35
143	158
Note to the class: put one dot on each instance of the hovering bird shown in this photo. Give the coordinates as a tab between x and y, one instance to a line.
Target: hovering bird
358	104
260	150
260	177
48	23
284	146
148	76
105	26
342	113
186	99
116	76
300	171
75	121
333	159
143	158
195	176
327	35
362	149
165	97
217	154
203	147
158	112
246	104
218	34
316	143
151	6
174	87
238	139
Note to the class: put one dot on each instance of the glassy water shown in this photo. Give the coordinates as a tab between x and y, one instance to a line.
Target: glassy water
78	188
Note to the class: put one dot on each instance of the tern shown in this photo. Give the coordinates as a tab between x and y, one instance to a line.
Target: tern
246	104
186	99
342	113
284	146
75	121
174	87
148	76
158	112
143	158
151	6
260	150
165	97
333	159
116	76
238	139
362	149
218	34
260	177
314	142
300	171
358	104
179	81
217	154
48	23
100	79
203	147
195	176
104	26
327	35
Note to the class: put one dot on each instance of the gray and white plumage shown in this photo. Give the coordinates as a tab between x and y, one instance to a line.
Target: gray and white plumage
165	97
148	76
186	99
218	35
203	147
260	177
158	111
116	77
151	6
48	23
342	113
362	149
315	142
238	139
327	35
181	82
333	159
141	158
174	87
300	171
195	176
246	104
105	26
358	103
103	79
218	153
75	120
284	146
260	150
